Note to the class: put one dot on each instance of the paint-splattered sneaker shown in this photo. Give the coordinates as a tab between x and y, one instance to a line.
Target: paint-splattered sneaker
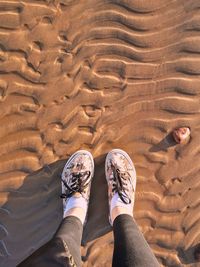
76	180
121	177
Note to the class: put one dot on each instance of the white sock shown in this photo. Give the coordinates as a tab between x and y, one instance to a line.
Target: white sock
76	202
117	202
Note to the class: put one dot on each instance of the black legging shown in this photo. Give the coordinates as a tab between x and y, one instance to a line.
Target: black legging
130	247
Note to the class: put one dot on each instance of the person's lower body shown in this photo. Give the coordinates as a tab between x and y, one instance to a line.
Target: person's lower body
130	247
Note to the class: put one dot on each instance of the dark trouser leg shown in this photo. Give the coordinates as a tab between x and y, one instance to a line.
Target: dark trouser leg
63	250
70	231
130	247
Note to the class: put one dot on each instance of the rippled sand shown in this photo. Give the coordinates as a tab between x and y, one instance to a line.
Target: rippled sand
98	75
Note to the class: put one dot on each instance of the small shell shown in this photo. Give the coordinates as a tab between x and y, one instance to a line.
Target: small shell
181	135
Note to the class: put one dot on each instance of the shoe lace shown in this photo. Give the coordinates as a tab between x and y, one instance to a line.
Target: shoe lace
79	181
120	180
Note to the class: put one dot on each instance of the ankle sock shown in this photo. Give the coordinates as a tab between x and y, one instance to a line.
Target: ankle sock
117	202
76	202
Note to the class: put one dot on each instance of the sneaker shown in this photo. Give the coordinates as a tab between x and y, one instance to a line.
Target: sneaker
77	176
121	178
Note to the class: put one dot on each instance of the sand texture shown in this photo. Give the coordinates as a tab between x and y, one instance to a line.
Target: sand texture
97	75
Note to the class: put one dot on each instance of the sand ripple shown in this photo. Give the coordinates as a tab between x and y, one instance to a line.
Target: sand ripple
97	75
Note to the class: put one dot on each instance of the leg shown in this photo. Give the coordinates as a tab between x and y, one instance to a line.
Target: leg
70	231
130	247
64	248
76	183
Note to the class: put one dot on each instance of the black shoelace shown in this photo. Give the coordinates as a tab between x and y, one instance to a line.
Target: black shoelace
79	182
120	184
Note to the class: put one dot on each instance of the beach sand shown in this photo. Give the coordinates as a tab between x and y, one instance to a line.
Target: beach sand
98	75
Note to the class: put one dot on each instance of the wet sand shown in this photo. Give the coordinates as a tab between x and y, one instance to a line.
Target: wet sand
98	75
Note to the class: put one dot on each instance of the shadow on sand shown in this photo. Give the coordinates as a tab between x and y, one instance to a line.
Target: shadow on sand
189	256
164	144
33	212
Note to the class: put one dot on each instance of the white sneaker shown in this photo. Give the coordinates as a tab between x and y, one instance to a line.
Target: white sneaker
121	177
77	176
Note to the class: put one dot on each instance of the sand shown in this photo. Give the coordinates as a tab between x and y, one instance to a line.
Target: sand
97	75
